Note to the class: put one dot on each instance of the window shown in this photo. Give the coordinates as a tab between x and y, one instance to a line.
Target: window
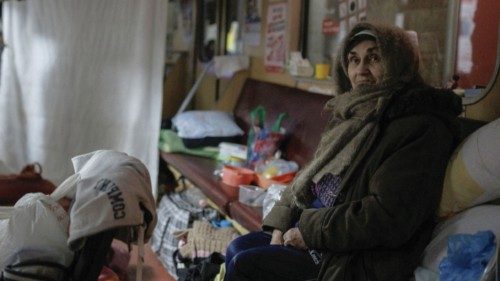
455	37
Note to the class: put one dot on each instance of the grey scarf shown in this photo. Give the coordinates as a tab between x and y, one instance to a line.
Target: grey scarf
354	116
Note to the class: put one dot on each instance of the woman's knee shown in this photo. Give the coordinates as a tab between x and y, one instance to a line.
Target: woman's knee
238	267
246	242
232	250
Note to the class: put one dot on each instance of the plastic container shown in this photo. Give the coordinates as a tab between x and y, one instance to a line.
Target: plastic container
251	195
322	70
276	167
264	182
234	176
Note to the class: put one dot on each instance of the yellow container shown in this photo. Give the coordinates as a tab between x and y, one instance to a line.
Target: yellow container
322	70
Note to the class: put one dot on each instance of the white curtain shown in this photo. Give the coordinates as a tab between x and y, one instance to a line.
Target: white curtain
78	76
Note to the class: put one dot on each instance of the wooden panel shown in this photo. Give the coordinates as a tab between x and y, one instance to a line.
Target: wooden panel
174	86
249	217
306	119
232	92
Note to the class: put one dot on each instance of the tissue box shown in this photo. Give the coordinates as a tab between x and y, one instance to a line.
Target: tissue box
251	195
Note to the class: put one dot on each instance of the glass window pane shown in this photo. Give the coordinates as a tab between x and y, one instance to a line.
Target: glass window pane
455	37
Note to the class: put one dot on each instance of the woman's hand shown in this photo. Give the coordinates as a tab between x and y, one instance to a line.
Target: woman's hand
293	237
277	237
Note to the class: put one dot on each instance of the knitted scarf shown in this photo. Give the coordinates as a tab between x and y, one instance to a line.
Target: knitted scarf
355	112
354	116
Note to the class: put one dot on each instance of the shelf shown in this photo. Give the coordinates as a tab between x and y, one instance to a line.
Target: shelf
311	80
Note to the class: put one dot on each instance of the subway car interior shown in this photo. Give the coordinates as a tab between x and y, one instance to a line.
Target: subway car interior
249	140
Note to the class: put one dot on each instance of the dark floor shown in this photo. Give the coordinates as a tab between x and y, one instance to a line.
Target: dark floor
152	270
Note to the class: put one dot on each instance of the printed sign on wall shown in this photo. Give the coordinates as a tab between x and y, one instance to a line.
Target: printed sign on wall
251	29
275	48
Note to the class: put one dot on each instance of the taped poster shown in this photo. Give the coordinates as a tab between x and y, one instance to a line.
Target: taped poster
275	48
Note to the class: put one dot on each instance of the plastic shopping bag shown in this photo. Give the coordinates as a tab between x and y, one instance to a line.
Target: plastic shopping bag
468	256
272	196
35	233
263	141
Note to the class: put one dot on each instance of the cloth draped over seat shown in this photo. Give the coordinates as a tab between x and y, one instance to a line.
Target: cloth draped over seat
79	76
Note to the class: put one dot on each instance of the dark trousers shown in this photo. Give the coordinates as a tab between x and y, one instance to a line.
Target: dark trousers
250	257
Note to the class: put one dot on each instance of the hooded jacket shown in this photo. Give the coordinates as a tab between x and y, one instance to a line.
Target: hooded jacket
384	214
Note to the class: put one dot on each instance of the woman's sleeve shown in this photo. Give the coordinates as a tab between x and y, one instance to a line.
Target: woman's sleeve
403	192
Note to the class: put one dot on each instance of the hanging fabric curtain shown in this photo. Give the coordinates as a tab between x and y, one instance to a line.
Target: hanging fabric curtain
78	76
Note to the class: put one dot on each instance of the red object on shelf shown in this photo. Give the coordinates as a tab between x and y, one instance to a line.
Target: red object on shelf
234	176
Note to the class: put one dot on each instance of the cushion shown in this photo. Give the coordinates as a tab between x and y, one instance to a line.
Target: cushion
473	172
206	128
479	218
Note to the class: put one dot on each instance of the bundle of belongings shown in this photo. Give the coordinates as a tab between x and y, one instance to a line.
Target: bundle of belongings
67	235
190	239
199	132
14	186
199	128
202	249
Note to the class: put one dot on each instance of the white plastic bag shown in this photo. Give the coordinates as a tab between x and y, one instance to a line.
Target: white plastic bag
3	228
36	230
273	194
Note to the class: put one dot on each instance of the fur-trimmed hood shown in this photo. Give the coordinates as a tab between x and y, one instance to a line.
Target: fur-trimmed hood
400	56
400	60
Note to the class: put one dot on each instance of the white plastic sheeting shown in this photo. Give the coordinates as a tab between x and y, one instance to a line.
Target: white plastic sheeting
79	76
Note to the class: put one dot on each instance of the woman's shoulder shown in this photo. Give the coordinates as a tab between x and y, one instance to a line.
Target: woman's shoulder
424	100
424	129
424	108
416	123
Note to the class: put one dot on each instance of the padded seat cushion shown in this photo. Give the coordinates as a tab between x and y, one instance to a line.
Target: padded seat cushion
472	175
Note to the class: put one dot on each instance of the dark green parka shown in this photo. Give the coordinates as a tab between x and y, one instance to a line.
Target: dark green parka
384	214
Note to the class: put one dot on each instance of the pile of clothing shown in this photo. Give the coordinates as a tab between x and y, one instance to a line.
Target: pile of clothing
43	236
190	238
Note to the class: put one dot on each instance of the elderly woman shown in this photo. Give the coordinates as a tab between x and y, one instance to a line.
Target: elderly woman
363	208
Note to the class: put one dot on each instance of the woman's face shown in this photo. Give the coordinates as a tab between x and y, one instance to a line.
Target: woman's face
364	66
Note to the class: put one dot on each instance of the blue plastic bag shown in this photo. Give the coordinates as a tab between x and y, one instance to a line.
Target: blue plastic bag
468	255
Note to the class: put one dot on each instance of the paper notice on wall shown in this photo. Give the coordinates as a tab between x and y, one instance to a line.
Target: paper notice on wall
275	48
251	29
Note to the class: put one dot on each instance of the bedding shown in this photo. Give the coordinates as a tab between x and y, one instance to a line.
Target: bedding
199	128
473	172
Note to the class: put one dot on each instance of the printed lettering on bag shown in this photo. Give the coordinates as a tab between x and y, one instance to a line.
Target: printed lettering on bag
114	195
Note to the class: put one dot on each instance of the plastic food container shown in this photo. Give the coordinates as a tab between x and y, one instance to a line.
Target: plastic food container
264	182
251	195
234	176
